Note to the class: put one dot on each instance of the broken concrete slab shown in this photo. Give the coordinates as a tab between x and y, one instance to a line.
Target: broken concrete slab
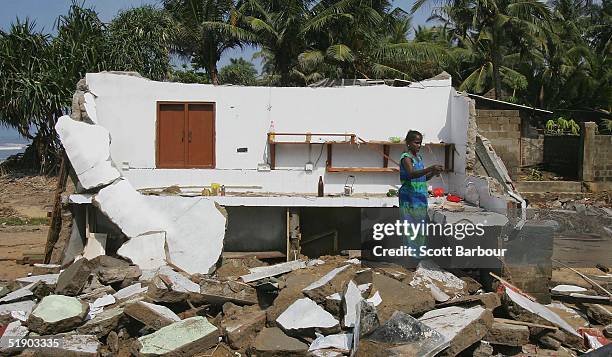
352	304
488	300
129	209
333	304
273	342
335	281
325	278
105	262
573	316
151	315
242	325
567	289
217	293
539	310
24	293
57	313
375	299
72	280
183	338
130	291
484	349
403	335
103	323
394	297
103	301
547	340
171	286
439	295
125	275
194	244
305	313
49	279
24	306
462	327
88	148
505	334
148	251
95	246
428	272
601	314
367	318
4	290
272	270
76	345
13	332
341	341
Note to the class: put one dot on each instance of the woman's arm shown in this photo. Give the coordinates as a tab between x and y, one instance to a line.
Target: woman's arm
412	173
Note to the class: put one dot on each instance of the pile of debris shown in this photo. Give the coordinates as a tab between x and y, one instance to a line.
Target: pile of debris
324	307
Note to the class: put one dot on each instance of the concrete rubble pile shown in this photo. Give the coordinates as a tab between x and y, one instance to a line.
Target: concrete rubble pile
331	306
165	289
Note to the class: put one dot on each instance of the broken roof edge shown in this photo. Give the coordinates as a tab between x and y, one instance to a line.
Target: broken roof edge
437	81
476	96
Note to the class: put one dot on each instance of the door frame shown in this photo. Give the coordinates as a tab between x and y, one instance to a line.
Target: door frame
158	104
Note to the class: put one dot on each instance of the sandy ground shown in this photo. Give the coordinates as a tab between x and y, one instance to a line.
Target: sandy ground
23	197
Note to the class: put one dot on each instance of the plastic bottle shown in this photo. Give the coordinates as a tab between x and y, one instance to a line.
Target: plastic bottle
271	130
321	191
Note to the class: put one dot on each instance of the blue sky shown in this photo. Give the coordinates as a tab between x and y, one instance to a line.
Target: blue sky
45	12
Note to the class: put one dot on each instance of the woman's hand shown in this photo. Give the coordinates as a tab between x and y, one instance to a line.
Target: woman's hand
435	170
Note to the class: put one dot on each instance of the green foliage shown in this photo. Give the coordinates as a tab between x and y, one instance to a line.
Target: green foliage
39	72
19	221
562	126
239	72
535	175
188	75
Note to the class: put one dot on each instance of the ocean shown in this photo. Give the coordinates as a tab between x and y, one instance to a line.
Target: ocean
11	143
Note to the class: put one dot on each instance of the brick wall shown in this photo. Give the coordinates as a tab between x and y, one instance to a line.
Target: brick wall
532	150
603	158
502	128
562	155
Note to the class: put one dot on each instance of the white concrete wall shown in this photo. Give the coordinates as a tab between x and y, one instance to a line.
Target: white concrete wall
126	106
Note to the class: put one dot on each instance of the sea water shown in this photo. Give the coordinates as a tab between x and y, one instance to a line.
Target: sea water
11	143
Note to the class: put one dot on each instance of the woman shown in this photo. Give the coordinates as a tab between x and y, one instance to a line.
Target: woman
413	193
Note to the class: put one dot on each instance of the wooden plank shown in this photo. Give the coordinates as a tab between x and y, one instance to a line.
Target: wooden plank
272	156
362	169
522	323
258	255
386	155
55	224
316	134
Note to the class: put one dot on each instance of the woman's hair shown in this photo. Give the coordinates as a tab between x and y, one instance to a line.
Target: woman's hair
412	135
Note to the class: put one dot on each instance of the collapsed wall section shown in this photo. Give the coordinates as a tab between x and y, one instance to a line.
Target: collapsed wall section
188	231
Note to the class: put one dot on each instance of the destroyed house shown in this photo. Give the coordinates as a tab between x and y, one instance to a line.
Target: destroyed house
260	153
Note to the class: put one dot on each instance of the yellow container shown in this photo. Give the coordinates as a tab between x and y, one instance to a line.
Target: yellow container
214	188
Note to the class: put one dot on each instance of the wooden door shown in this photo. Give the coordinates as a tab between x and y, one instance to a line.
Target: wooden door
171	134
201	135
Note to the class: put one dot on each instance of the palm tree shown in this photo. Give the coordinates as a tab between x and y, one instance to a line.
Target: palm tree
205	30
494	28
276	26
39	72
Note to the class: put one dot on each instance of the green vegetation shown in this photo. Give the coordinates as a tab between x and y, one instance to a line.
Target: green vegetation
20	221
561	126
553	55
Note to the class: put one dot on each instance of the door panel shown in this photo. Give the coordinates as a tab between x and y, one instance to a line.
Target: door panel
171	148
201	135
